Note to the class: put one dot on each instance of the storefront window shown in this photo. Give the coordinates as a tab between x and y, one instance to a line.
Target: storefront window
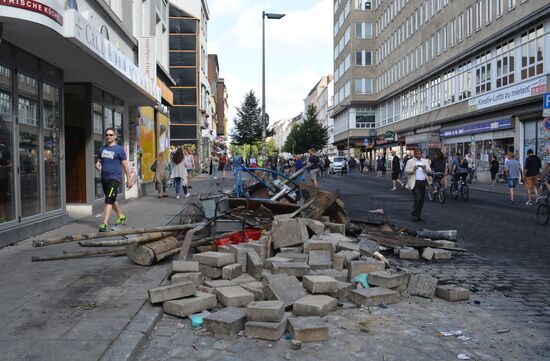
29	176
7	212
51	124
98	142
118	128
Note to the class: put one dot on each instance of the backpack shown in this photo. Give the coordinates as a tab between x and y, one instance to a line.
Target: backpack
464	163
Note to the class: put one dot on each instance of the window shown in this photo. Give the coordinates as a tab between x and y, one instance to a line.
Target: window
469	21
483	73
444	39
449	85
363	30
453	32
363	5
478	15
499	8
505	63
434	46
532	52
460	30
464	81
512	4
435	85
365	117
488	11
363	58
363	86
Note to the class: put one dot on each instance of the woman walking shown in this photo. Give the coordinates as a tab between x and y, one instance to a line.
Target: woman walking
215	164
494	169
161	174
189	162
179	173
223	162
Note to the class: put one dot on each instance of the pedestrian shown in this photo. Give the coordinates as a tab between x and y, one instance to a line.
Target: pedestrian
111	161
512	169
252	163
189	162
352	163
161	174
297	164
362	163
379	166
417	169
439	165
273	163
494	166
215	159
327	166
179	173
313	166
545	174
531	174
223	162
395	170
405	160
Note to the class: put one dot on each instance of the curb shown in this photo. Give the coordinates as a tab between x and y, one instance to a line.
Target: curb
496	191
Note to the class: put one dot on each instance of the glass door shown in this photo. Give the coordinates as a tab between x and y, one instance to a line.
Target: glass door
7	199
51	124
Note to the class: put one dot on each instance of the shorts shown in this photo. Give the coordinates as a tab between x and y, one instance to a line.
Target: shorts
395	174
512	183
110	189
313	172
531	182
189	171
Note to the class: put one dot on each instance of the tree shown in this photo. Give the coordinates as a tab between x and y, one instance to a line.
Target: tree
248	122
309	134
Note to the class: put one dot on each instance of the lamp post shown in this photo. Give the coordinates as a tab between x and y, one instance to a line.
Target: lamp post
264	125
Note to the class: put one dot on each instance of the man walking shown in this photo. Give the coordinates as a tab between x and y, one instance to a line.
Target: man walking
111	159
417	170
395	170
512	169
531	175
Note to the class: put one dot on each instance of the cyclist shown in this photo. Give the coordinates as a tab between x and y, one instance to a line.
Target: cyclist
546	171
439	165
460	169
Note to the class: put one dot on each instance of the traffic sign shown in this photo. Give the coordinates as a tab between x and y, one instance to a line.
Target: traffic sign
366	141
546	105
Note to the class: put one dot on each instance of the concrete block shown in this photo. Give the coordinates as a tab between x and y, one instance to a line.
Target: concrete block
260	248
343	290
282	216
341	276
184	307
266	311
254	264
205	289
336	227
373	296
271	331
268	262
368	247
408	253
269	278
367	266
244	278
291	268
256	288
288	232
422	285
294	257
446	244
240	253
319	284
320	259
388	279
171	292
452	293
308	329
214	259
347	246
210	272
286	289
196	277
442	254
232	271
338	260
184	266
291	249
319	245
324	219
315	226
234	296
428	253
228	321
314	305
218	283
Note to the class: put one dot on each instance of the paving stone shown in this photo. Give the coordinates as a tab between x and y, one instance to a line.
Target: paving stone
422	285
184	266
228	321
442	254
373	296
408	253
308	329
341	276
368	247
265	311
254	264
388	279
347	246
240	253
244	278
320	259
196	277
206	289
256	288
343	290
219	283
268	262
184	307
445	243
452	293
214	259
336	227
232	271
295	257
171	292
315	226
324	219
269	278
314	305
367	266
339	260
286	289
288	232
291	249
319	284
260	248
271	331
319	245
291	268
234	296
428	253
210	272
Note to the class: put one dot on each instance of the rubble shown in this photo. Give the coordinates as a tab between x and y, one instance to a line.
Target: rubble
228	321
452	293
308	329
314	305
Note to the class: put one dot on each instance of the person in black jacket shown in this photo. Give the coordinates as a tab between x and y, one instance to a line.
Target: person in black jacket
395	170
494	168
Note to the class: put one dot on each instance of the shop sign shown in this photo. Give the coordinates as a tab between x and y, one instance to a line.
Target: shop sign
389	134
78	28
477	128
36	7
512	93
147	56
381	141
366	141
546	105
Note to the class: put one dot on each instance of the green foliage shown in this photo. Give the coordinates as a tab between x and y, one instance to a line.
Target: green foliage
309	134
248	123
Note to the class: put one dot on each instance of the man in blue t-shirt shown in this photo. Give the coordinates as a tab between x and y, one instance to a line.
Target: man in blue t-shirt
111	159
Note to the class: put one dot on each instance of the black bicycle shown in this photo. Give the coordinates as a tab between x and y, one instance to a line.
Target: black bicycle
436	190
472	175
543	209
459	188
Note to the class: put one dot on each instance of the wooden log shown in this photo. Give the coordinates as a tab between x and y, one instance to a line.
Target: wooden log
123	242
448	235
72	255
147	254
189	237
86	236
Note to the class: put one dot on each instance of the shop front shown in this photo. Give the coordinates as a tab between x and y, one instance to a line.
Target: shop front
536	136
428	142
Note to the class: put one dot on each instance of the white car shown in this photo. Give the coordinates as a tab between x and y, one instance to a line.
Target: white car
337	164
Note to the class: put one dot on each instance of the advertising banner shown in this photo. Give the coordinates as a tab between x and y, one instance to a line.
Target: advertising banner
146	142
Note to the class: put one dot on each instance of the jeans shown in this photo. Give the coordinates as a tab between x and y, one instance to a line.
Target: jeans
214	170
177	183
419	191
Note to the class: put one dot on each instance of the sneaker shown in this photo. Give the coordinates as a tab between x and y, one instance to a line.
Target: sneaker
120	220
177	196
187	195
528	203
103	227
393	189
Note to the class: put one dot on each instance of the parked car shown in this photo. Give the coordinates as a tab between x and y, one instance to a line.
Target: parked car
337	164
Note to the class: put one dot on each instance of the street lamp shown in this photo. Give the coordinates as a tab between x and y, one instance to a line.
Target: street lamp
264	125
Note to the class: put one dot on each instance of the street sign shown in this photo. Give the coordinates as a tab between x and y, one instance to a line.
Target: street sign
389	134
366	141
546	105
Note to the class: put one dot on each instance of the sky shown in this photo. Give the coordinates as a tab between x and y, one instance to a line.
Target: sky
298	50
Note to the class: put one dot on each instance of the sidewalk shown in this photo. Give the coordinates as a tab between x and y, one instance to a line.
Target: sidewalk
87	308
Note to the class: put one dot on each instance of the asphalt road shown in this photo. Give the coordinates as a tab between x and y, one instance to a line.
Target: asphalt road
508	251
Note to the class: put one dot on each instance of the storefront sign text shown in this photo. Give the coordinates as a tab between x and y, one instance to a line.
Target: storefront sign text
512	93
35	6
477	128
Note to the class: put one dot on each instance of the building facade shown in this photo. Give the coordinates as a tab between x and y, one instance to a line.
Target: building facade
219	98
466	76
321	96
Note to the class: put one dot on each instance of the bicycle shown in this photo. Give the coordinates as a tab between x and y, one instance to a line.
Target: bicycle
436	190
472	176
460	189
543	209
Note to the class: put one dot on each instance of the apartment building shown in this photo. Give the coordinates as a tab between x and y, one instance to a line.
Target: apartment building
321	96
218	98
466	76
